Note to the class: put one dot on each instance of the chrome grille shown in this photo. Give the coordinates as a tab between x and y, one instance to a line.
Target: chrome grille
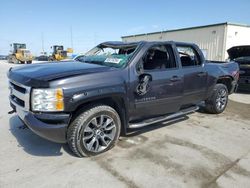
19	95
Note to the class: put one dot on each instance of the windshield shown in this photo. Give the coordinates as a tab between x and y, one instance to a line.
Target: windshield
243	60
113	56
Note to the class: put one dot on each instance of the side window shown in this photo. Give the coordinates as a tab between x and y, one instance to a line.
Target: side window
189	56
159	57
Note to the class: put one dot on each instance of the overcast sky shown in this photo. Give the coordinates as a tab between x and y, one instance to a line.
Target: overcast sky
95	21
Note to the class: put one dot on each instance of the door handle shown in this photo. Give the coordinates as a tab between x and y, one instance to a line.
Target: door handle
201	74
175	79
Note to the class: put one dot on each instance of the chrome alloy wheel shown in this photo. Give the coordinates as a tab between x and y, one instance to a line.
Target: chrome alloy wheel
221	99
99	133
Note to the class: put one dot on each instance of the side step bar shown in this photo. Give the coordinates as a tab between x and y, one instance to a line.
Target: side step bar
164	118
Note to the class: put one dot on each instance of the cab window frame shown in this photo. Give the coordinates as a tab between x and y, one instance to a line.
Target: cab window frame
166	45
195	52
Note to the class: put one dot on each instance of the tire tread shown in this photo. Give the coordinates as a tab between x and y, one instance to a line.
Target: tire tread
210	105
75	127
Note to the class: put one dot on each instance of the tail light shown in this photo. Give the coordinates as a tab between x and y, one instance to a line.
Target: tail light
236	74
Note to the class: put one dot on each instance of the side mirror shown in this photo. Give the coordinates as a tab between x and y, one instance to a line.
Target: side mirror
145	78
143	85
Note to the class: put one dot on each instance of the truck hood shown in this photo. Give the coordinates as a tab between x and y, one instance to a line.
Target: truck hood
238	51
38	75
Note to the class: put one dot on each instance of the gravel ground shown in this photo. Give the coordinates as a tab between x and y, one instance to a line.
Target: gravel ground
199	150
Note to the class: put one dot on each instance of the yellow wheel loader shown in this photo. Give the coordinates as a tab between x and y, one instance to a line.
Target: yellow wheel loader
19	54
59	53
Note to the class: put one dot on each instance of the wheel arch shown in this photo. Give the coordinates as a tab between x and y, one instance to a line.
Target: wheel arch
227	81
117	102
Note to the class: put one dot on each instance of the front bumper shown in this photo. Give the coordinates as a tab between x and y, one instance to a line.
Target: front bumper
52	127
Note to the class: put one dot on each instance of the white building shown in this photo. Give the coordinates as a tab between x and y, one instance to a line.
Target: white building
214	40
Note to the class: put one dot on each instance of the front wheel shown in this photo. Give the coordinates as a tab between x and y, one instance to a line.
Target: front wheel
13	59
94	131
29	62
217	102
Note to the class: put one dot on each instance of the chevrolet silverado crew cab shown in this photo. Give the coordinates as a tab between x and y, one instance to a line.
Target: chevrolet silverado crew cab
115	88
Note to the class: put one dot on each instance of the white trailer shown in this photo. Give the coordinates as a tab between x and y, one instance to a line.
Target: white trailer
214	40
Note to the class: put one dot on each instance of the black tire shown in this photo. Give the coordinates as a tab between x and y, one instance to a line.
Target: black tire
9	61
81	132
22	62
13	59
50	58
29	62
217	102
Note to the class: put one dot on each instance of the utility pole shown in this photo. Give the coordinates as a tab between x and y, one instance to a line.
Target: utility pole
71	37
42	42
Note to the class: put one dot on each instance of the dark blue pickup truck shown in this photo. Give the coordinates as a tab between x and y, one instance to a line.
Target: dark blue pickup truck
117	87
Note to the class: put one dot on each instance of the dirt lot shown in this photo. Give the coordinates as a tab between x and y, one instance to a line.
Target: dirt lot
199	150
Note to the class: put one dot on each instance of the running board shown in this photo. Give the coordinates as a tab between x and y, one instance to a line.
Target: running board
164	118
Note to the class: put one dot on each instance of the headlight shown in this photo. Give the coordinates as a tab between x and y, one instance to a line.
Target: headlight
47	100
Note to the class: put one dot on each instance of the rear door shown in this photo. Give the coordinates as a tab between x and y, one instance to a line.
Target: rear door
157	90
195	75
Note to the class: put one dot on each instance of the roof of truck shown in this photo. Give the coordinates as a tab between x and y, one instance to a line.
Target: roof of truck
120	44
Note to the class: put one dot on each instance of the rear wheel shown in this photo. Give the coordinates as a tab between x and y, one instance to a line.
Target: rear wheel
217	102
9	60
29	62
94	131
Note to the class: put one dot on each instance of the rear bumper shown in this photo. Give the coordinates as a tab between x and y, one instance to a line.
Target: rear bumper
244	83
52	127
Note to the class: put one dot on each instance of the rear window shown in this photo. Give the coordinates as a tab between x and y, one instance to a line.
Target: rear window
188	56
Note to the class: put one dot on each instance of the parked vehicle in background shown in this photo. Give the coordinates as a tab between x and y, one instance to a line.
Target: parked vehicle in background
42	57
241	55
19	54
117	87
3	57
59	53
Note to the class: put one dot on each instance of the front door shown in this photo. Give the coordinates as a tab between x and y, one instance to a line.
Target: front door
158	88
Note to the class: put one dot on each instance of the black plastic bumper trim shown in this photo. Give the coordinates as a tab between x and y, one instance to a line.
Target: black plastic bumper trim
53	132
